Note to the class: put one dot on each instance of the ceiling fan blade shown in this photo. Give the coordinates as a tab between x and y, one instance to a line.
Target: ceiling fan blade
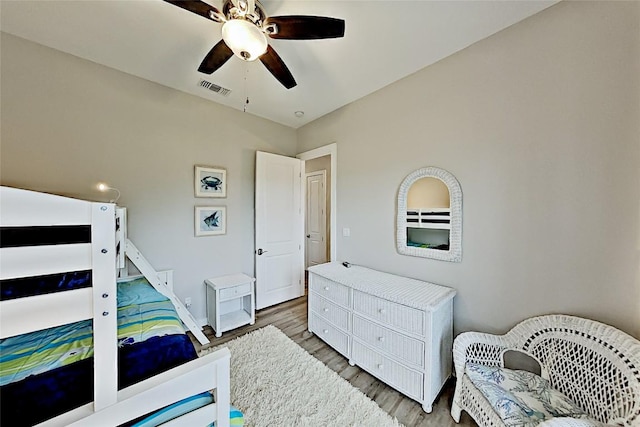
297	27
277	67
216	58
199	8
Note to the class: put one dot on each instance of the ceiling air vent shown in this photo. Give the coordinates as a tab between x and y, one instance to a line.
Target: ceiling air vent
214	88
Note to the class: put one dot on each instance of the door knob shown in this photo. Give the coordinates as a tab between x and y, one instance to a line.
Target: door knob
260	251
308	236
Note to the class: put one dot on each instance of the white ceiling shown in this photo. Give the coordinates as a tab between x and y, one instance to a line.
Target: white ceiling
384	42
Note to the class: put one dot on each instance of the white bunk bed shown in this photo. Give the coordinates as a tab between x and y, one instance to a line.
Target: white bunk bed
41	219
433	218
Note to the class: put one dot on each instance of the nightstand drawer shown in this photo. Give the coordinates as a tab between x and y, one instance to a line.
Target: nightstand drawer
387	312
235	291
332	312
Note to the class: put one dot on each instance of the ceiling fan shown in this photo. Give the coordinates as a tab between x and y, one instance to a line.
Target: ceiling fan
245	30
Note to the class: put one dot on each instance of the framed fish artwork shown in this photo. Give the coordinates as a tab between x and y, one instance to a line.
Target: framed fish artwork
210	182
211	220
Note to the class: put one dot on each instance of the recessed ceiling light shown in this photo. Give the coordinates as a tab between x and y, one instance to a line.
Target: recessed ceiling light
299	114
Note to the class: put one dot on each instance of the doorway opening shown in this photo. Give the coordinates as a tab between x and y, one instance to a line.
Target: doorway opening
320	215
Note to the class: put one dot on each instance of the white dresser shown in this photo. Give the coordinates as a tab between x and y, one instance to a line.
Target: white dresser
398	329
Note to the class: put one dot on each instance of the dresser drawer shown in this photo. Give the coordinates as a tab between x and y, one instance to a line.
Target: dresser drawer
324	308
235	291
397	315
329	333
407	349
330	290
395	374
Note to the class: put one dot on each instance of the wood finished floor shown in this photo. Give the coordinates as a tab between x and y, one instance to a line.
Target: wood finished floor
291	318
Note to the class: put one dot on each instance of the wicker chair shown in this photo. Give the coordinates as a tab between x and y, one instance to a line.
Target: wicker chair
593	364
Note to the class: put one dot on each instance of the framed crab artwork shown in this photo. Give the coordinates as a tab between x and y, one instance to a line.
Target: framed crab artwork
210	182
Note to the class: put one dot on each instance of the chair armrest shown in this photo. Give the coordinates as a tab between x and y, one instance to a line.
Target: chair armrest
476	347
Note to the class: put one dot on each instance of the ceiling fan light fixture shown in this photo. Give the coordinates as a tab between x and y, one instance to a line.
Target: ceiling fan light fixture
246	27
244	38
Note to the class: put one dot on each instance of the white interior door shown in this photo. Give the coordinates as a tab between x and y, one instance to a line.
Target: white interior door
279	229
316	219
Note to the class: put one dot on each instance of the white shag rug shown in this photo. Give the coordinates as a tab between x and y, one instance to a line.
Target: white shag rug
275	382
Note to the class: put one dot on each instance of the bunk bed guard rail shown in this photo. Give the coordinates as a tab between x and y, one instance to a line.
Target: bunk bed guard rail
43	234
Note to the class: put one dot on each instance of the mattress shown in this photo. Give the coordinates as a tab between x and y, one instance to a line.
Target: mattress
47	373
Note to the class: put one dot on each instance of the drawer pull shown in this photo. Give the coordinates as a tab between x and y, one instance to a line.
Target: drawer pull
326	288
381	339
382	311
326	331
326	310
380	366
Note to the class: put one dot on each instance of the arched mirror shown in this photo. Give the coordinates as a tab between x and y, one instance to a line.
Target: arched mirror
430	215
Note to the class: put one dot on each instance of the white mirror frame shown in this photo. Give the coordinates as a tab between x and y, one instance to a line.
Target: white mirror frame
454	254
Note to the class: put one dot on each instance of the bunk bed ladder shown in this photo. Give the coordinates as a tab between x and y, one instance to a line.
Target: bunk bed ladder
151	275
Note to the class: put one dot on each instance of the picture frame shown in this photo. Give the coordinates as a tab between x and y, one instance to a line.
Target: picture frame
210	181
210	220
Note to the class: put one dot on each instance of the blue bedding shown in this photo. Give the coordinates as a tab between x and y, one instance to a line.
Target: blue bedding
41	395
42	351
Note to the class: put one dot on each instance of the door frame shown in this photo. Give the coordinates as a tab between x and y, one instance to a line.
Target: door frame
332	151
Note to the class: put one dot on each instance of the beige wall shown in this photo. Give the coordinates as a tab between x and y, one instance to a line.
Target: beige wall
428	193
540	124
68	123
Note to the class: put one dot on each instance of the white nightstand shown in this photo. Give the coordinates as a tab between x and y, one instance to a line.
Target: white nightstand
230	302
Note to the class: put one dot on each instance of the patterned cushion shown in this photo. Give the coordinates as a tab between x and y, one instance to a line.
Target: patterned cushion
521	398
